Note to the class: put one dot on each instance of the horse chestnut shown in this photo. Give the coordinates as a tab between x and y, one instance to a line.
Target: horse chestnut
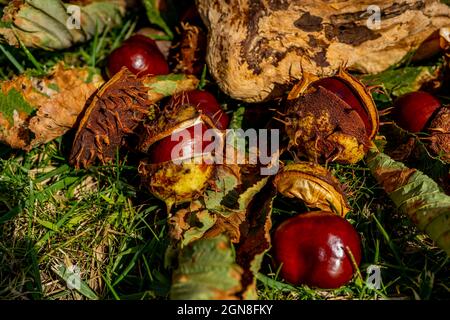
413	111
330	119
161	151
343	91
140	55
313	249
206	103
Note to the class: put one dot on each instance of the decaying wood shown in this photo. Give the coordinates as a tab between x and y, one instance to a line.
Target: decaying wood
257	47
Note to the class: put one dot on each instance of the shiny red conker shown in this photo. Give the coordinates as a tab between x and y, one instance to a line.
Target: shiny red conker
207	104
413	111
194	145
313	249
140	55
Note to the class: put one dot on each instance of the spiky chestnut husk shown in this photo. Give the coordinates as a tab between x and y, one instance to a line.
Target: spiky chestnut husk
331	119
117	112
422	112
440	134
176	183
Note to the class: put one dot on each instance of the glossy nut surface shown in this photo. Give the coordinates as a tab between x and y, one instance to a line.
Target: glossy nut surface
140	55
207	103
313	249
414	110
184	145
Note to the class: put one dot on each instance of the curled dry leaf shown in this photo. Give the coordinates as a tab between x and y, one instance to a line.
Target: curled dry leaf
36	110
238	205
256	48
229	196
190	224
209	216
416	195
400	81
49	25
119	107
314	185
222	206
255	239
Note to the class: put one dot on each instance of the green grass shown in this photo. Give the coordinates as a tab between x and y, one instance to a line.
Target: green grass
101	220
411	267
58	217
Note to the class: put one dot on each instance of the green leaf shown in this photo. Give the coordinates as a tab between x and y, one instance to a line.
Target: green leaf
225	182
255	238
47	224
192	223
154	16
67	275
44	24
206	270
416	195
11	102
400	81
165	84
238	118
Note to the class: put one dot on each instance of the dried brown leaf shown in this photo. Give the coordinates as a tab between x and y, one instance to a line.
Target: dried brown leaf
36	110
314	185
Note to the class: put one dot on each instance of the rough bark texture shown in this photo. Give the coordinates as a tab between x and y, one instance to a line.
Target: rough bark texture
257	47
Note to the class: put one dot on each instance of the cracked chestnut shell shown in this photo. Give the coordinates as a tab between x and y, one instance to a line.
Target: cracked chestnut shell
206	103
331	119
439	130
314	249
176	182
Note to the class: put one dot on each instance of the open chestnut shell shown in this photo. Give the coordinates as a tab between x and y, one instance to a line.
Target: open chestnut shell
175	170
420	111
331	119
